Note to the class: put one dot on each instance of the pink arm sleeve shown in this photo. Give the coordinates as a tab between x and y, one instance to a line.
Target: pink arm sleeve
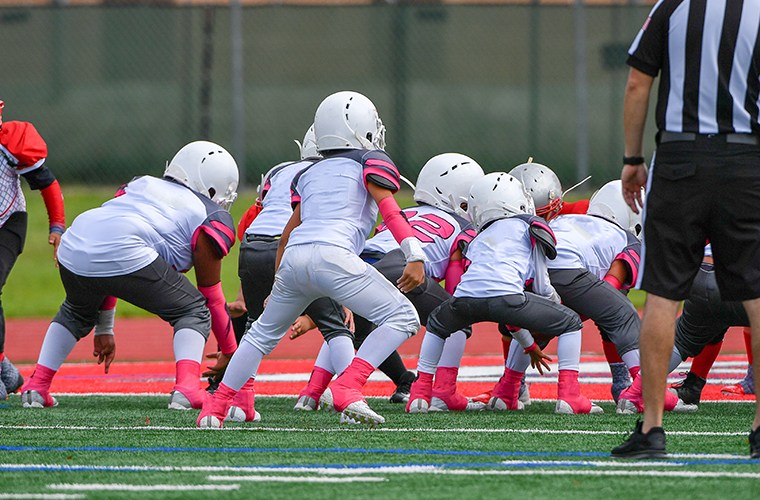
221	324
616	284
454	275
394	220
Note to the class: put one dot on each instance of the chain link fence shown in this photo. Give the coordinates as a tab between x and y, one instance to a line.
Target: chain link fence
117	89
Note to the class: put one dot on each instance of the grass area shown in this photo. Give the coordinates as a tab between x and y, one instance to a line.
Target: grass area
34	288
102	440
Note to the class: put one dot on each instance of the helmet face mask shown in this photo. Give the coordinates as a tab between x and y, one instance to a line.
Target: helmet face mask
208	169
495	196
608	203
544	187
444	182
348	120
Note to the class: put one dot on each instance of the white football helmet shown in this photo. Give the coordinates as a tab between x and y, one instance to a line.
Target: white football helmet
348	120
543	186
445	180
609	203
497	196
208	169
309	145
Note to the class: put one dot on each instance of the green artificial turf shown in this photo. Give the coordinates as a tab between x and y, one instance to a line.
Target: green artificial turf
532	454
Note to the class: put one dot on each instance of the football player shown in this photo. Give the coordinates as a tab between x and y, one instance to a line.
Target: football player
135	247
510	248
336	202
441	191
22	154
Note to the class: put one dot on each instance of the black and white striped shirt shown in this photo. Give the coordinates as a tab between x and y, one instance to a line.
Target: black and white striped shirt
709	54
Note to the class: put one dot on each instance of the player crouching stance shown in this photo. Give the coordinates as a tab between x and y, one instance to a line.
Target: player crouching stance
511	247
133	247
336	202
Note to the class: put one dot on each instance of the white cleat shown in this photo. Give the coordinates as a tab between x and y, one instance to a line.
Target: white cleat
498	404
210	422
237	414
33	399
418	406
359	412
563	408
682	407
326	401
306	403
625	407
524	396
178	401
437	404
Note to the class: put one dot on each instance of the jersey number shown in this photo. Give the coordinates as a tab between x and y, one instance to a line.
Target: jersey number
426	227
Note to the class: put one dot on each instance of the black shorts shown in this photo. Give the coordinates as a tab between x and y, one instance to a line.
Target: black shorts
699	191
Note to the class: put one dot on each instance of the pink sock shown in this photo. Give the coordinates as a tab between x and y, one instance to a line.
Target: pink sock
188	374
41	379
318	382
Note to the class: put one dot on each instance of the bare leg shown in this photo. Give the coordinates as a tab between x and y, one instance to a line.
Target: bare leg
656	343
753	311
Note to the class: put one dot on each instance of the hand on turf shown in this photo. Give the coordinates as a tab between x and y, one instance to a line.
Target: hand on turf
539	360
222	360
301	325
413	276
104	348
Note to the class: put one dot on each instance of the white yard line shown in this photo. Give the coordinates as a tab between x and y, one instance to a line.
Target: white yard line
255	428
145	487
41	496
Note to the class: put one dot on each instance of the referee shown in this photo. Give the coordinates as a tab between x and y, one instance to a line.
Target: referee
704	182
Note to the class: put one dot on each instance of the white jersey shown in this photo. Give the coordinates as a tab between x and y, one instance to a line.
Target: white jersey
436	231
501	260
149	218
275	198
21	150
587	242
336	208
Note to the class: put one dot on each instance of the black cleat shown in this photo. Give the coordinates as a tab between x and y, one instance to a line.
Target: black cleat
690	388
754	443
403	388
640	445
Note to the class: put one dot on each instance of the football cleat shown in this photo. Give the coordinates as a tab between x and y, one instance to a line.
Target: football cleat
10	376
37	399
417	405
524	395
455	404
326	401
565	408
237	414
359	412
640	445
401	394
179	401
209	422
498	404
690	388
306	403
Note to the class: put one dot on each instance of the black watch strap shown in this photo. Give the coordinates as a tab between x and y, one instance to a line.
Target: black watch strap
633	160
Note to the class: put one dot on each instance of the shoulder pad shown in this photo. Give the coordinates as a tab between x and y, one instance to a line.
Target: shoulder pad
379	169
541	233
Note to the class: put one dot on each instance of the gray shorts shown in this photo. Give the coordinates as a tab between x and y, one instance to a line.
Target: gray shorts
158	288
544	318
592	298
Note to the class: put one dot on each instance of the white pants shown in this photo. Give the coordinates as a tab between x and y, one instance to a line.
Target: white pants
311	271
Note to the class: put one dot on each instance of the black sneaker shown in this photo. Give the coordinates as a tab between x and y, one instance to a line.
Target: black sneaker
690	388
213	384
640	445
403	388
754	443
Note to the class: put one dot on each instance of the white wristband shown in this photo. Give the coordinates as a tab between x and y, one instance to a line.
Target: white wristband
105	323
412	249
